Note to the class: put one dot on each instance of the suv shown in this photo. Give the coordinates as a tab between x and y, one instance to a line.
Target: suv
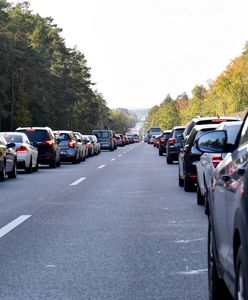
189	156
206	120
162	142
228	216
174	144
106	138
44	139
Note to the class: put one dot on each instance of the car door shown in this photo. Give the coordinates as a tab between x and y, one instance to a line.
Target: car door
234	189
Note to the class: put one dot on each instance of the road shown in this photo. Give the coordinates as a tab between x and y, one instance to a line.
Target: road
114	227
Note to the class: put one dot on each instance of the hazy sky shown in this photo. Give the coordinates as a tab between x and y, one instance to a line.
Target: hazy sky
141	50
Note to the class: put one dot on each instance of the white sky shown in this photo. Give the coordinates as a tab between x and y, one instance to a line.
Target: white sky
141	50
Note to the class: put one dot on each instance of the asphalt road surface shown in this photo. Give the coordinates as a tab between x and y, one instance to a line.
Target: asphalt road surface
114	227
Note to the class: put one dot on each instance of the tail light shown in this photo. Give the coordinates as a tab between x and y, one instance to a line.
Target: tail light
172	141
72	144
22	149
48	143
162	140
216	160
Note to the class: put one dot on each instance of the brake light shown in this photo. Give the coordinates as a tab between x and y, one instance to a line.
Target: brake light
218	120
22	149
162	140
48	143
216	160
172	141
30	130
72	144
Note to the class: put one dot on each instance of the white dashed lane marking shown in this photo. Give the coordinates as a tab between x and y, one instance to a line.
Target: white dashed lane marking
78	181
102	166
12	225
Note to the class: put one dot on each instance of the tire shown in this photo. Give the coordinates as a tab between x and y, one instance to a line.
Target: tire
216	285
241	291
36	168
180	181
13	173
58	163
200	198
3	172
29	169
160	152
169	160
188	186
52	163
84	157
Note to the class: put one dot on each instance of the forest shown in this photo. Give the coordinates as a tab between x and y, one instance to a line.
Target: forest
45	83
227	95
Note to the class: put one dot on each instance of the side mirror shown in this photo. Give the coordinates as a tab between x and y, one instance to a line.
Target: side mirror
212	142
11	145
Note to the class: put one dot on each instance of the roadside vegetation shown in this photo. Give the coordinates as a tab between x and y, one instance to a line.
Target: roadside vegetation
45	83
226	95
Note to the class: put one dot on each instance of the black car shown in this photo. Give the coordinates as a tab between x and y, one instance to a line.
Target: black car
189	156
44	139
174	144
162	142
8	159
228	216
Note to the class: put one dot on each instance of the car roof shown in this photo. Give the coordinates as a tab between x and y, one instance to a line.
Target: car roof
224	125
206	126
31	127
178	127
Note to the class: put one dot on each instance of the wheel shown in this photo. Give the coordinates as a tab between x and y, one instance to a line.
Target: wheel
160	152
188	186
111	149
200	197
180	180
3	172
36	168
58	163
216	285
169	160
53	163
29	169
241	291
84	157
13	173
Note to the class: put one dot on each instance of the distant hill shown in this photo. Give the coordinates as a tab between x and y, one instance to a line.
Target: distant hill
140	113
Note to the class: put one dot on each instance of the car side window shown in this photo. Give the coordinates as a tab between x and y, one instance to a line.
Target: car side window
244	133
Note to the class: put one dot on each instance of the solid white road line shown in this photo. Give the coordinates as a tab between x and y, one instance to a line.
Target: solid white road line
113	159
12	225
78	181
102	166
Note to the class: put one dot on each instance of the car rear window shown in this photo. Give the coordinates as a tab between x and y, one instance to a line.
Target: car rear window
101	134
36	135
63	136
178	132
11	138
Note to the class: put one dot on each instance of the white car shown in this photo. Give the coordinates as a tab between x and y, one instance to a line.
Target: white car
27	154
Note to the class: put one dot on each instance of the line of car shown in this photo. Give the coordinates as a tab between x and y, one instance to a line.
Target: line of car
213	161
28	147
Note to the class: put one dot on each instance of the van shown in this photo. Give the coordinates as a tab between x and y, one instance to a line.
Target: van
106	138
